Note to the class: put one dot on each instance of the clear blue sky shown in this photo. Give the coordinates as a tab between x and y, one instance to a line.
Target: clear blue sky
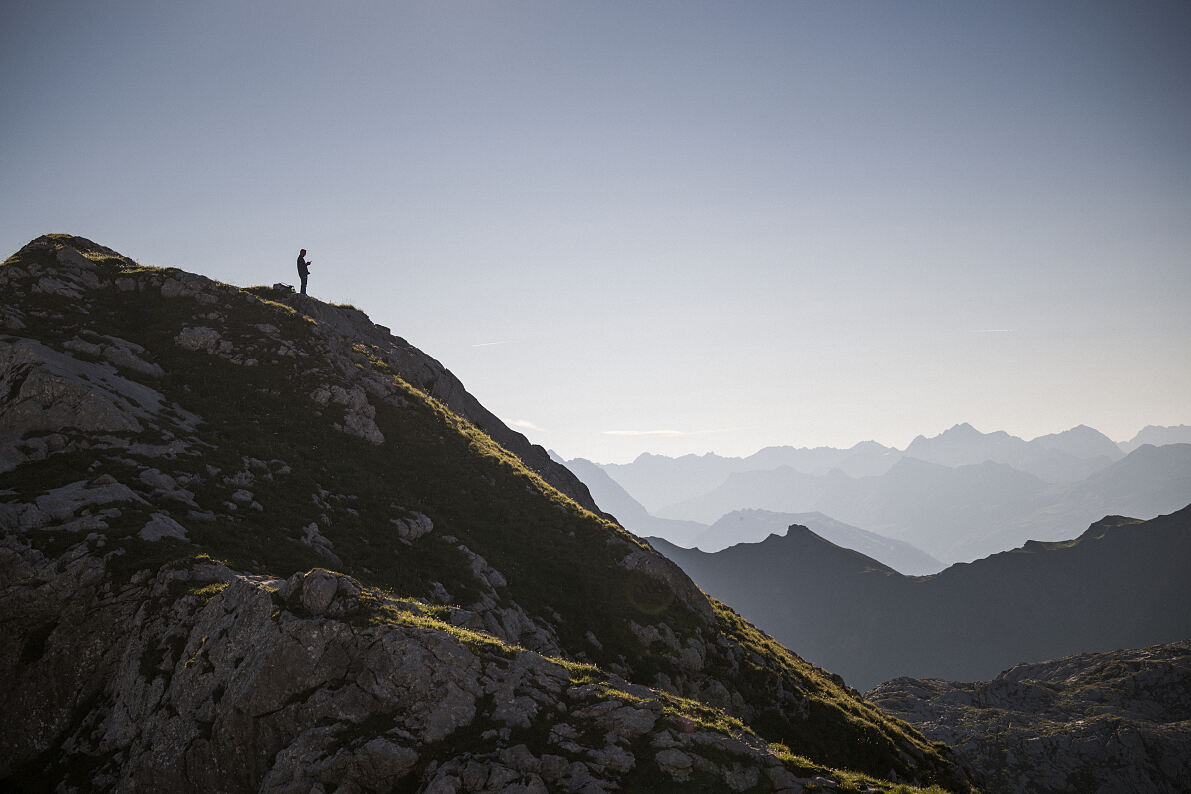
666	226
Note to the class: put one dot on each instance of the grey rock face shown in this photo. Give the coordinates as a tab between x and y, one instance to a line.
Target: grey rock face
45	390
414	527
359	414
1117	721
198	338
59	508
161	526
201	679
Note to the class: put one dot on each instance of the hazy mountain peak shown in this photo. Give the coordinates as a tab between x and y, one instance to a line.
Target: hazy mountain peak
1079	431
1080	442
1158	435
963	443
961	429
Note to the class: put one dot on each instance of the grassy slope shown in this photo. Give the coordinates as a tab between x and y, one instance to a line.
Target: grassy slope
559	560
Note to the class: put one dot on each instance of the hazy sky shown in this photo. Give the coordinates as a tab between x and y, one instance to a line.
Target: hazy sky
666	226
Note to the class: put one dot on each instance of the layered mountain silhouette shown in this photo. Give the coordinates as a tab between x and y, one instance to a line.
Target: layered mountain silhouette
658	481
964	512
251	541
743	526
957	496
1058	457
1158	436
753	526
1122	583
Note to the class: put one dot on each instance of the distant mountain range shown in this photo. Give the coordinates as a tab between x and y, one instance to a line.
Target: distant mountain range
1059	457
1122	583
1158	436
658	481
963	513
957	497
743	526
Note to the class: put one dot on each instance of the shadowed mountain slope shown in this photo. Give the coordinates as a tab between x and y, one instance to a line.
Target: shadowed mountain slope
243	548
1122	583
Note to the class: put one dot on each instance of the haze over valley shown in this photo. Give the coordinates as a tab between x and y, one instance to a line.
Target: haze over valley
956	497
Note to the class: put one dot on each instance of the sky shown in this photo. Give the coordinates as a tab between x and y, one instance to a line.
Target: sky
676	227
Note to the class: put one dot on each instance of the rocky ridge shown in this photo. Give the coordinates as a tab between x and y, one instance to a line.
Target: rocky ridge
1116	721
182	462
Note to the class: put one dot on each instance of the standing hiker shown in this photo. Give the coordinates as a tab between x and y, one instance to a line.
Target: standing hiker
303	268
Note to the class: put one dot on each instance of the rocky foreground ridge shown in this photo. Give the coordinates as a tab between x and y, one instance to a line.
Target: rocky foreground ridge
1118	721
253	542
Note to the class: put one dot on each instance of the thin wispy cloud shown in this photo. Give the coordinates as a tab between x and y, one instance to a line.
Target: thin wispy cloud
525	424
645	433
671	433
493	344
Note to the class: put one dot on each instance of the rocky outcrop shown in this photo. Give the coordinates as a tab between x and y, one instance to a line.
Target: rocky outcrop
1117	721
199	678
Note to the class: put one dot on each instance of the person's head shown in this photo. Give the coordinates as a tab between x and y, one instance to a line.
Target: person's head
302	252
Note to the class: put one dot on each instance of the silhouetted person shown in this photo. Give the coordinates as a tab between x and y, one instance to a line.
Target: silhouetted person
303	269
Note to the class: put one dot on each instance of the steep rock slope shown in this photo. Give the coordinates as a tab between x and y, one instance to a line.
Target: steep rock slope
244	549
1122	583
1116	721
